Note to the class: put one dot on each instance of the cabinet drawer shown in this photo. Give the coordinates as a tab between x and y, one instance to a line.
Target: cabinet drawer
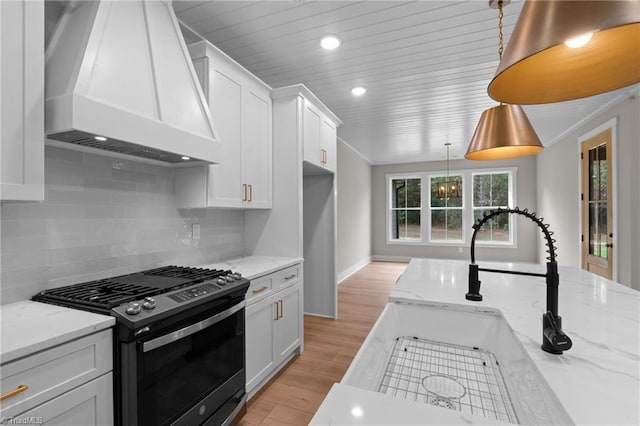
90	404
287	276
259	288
54	371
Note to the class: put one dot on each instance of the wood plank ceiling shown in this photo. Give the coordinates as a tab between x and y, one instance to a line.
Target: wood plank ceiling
425	64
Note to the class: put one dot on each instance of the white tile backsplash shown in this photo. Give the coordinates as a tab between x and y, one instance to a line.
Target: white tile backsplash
105	216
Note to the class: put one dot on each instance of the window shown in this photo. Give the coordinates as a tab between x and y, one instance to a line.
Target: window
490	191
406	208
446	207
448	220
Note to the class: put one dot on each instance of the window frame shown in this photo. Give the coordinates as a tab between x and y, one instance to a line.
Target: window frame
510	203
405	176
462	208
467	207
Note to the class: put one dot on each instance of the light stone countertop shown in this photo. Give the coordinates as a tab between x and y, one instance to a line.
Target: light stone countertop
28	327
597	380
252	267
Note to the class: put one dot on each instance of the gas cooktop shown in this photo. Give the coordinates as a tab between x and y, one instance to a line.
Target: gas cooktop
148	293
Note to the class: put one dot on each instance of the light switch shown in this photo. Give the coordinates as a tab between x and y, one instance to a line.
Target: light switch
195	231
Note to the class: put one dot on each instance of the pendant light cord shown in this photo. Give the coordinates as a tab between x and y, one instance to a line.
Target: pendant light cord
500	36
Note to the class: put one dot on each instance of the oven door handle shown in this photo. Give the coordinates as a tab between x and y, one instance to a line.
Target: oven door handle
191	329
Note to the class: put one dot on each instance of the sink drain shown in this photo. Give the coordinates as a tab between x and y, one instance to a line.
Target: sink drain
444	386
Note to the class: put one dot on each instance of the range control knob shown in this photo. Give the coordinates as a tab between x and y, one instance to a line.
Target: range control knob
229	279
221	281
133	309
149	303
236	275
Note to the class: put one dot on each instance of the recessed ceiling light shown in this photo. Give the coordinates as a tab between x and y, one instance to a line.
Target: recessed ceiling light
185	158
330	42
358	91
100	138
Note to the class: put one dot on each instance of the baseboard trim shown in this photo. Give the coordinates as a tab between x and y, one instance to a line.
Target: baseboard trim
319	315
353	269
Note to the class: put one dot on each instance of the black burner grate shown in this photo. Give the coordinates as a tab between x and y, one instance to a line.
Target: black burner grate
194	274
105	294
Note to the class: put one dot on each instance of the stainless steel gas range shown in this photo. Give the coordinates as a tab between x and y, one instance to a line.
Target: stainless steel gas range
179	346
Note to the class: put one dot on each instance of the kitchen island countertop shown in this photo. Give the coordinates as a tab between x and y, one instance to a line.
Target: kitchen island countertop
597	380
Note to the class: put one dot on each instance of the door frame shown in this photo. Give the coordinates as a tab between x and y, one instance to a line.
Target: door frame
613	125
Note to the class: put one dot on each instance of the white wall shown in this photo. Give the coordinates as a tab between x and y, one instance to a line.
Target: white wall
99	221
527	241
354	211
558	184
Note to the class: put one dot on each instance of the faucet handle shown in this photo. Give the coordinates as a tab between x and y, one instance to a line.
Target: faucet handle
474	284
553	338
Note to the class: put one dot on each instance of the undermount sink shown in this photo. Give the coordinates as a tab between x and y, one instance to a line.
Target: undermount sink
454	357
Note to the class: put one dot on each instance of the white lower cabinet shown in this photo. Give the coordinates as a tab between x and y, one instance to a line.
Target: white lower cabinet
69	384
274	327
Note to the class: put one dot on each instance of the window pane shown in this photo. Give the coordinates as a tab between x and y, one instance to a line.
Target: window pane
438	224
413	192
413	225
500	189
491	190
495	229
398	223
446	225
481	190
398	193
454	224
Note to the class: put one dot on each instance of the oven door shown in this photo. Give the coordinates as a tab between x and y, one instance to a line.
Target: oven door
188	374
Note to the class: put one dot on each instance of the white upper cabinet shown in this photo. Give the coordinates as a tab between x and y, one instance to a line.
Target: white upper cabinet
22	94
319	129
242	106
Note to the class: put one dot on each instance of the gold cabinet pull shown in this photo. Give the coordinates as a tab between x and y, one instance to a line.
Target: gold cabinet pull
260	290
250	192
16	391
281	308
244	192
277	309
290	277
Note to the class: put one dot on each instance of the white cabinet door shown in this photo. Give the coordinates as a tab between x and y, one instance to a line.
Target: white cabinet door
225	101
256	147
241	108
329	141
259	325
312	129
87	405
22	94
289	324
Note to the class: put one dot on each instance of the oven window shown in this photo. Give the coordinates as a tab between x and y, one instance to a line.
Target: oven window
175	377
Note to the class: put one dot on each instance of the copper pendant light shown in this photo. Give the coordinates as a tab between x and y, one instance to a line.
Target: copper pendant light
503	131
539	66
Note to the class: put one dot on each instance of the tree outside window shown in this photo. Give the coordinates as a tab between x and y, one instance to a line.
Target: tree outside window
490	191
406	207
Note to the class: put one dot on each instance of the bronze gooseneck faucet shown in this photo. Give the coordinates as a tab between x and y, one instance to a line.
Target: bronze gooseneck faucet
553	338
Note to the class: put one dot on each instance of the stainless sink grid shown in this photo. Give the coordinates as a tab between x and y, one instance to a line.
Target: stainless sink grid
460	378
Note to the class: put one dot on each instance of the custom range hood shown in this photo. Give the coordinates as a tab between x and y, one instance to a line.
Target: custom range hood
119	78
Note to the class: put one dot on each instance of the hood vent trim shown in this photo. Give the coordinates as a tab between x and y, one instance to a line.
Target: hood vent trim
121	69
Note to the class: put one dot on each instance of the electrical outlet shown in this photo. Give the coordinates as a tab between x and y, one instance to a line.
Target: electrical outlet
195	231
459	249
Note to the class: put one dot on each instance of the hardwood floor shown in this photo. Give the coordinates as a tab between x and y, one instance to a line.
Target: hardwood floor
293	396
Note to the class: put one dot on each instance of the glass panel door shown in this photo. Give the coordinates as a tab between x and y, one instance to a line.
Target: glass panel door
597	235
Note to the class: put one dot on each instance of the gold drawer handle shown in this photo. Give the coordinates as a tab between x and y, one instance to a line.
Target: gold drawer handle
19	389
290	277
260	290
